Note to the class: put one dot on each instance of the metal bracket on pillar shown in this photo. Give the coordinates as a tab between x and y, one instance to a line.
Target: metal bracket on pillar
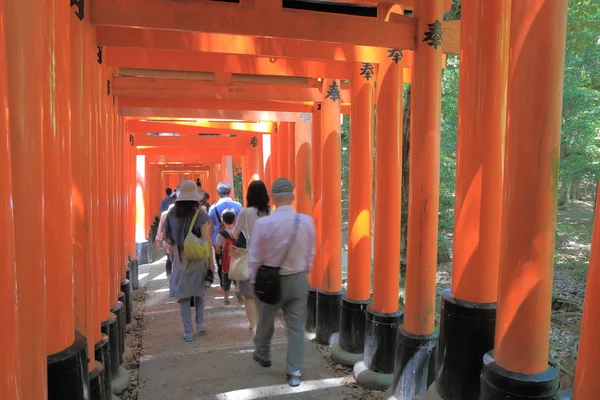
108	87
132	140
80	8
99	54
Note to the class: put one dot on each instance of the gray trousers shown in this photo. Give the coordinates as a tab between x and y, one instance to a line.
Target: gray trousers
186	313
294	290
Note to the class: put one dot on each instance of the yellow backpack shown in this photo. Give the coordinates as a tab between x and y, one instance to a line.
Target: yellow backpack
195	248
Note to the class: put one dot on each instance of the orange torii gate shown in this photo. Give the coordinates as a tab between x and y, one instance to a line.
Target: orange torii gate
103	69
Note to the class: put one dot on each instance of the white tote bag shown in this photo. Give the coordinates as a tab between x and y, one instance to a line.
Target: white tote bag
238	267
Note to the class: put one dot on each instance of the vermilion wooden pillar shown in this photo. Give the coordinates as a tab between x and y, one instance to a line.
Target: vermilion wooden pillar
84	281
468	309
383	316
534	108
109	126
66	348
330	292
587	384
27	73
100	131
89	156
10	357
107	294
254	159
227	172
349	349
417	336
317	270
303	163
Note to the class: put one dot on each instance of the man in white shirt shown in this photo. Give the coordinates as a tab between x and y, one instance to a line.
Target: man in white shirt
278	240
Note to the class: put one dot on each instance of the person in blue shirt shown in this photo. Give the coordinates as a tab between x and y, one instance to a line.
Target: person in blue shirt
225	202
164	204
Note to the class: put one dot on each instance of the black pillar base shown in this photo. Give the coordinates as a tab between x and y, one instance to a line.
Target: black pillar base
110	328
133	275
349	349
68	371
466	334
102	354
498	383
328	315
119	311
381	330
97	388
311	311
126	288
415	364
142	252
352	325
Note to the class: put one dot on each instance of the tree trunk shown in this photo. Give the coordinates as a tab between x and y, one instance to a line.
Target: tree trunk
574	189
564	197
405	171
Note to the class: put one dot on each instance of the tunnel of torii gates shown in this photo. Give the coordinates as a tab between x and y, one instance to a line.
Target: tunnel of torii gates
119	99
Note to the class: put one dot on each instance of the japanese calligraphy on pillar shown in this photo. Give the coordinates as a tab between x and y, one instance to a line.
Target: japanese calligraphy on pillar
366	71
395	54
333	92
433	36
254	141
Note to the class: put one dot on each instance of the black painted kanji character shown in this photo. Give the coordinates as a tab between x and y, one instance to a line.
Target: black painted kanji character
395	54
333	92
254	141
434	35
367	70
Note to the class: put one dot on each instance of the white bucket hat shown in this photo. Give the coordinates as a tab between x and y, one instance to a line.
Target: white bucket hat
188	191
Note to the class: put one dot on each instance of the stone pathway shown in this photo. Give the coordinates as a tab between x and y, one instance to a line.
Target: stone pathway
218	364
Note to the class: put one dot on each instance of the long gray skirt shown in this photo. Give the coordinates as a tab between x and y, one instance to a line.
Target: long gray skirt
189	284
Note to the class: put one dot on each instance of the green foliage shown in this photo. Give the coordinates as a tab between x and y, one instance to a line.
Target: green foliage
449	126
580	142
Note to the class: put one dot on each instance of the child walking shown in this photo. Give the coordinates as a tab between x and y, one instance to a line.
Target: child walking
223	245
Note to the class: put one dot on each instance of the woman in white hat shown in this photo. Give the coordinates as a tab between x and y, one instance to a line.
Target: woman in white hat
190	284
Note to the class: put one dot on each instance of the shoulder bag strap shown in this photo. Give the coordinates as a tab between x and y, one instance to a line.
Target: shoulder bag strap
294	233
193	221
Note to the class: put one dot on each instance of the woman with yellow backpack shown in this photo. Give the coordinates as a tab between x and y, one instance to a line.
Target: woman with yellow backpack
188	230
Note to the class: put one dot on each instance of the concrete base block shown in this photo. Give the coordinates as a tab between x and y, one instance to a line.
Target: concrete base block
371	379
129	339
127	356
132	326
115	397
121	382
343	357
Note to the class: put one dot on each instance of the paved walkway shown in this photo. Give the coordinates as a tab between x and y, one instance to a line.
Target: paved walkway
218	364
